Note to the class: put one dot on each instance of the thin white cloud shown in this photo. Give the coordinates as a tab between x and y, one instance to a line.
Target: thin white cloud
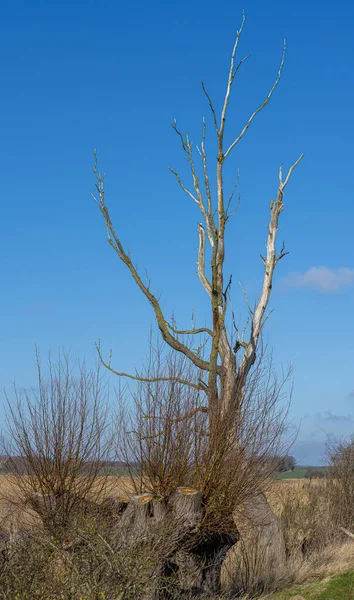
330	417
321	279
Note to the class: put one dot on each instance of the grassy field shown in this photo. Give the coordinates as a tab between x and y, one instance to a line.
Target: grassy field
338	587
298	473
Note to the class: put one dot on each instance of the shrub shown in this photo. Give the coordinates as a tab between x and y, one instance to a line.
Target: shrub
340	481
57	441
90	564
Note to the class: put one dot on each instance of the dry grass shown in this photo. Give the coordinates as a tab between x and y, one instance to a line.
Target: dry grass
117	486
302	508
332	551
315	545
284	489
13	517
278	494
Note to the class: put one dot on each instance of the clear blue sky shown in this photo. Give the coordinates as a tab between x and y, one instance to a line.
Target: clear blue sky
113	75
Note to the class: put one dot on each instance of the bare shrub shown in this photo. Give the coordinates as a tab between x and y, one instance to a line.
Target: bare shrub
315	546
307	519
313	541
56	442
167	441
340	481
90	565
106	556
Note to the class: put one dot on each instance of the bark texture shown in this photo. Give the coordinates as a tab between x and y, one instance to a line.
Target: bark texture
261	523
261	552
187	556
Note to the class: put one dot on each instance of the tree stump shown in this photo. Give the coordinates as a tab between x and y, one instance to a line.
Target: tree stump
187	556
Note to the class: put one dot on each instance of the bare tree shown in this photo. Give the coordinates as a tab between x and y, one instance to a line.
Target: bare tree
224	367
56	442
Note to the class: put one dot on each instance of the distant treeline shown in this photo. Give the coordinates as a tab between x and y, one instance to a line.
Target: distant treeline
17	464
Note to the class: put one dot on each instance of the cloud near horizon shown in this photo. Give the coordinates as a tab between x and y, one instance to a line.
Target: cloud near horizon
327	416
330	417
321	279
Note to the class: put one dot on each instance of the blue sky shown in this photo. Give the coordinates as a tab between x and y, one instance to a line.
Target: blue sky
114	75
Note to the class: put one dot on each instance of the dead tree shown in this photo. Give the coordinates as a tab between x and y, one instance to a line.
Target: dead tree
225	366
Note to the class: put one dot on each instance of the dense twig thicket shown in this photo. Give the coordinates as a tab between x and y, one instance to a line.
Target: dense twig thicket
57	441
164	436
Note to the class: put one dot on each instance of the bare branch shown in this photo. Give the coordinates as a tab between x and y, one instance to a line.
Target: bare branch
117	246
211	108
190	331
246	297
211	222
187	147
231	197
221	344
290	171
192	413
265	319
202	345
180	135
282	253
182	186
108	366
270	261
201	260
263	105
232	73
227	289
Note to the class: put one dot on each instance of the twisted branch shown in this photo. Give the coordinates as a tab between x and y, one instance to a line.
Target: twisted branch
197	386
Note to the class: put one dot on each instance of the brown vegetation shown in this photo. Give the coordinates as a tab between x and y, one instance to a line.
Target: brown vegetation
315	547
315	544
170	442
199	439
100	533
60	432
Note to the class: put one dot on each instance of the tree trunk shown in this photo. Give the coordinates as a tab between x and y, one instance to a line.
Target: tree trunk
186	557
260	555
263	524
